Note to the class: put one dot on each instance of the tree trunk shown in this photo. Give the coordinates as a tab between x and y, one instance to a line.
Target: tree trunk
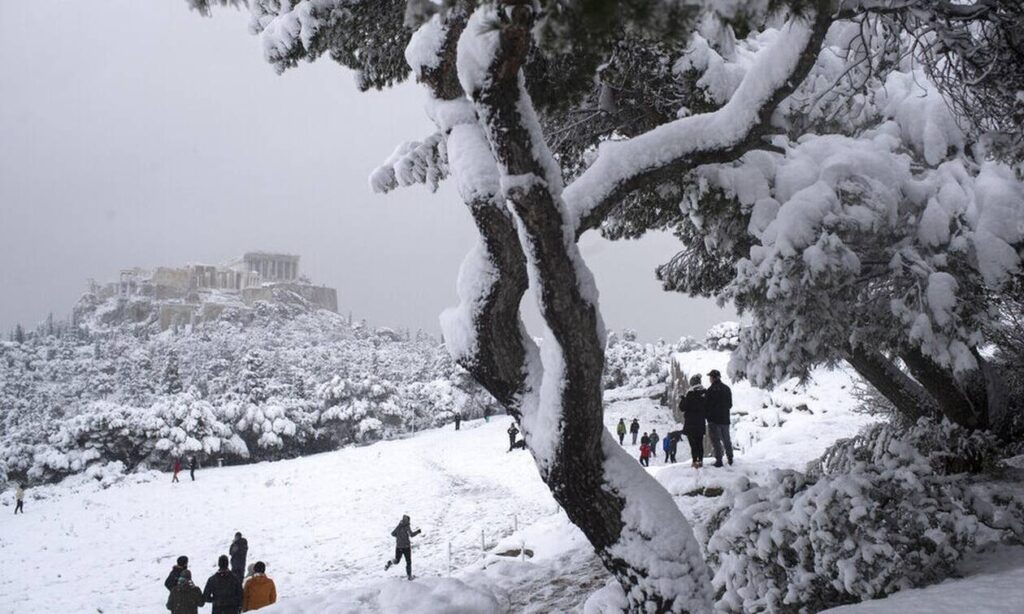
910	399
963	402
555	392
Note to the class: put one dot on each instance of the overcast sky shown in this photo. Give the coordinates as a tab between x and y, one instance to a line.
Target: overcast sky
136	133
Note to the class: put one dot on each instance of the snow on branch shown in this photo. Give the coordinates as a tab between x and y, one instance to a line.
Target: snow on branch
413	162
722	135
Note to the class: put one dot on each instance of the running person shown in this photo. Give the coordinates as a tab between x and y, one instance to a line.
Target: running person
403	545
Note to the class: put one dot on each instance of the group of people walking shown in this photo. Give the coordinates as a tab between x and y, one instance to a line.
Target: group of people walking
704	410
224	590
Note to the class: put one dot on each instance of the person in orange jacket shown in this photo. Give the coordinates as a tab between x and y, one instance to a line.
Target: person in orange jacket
259	591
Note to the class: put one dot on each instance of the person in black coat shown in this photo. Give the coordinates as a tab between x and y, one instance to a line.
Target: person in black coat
172	578
692	406
634	429
238	551
403	545
192	465
512	432
223	589
185	597
719	402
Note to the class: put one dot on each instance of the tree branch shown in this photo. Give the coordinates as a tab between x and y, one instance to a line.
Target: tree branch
709	138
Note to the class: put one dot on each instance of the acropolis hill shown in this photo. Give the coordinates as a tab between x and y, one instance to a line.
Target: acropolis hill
186	295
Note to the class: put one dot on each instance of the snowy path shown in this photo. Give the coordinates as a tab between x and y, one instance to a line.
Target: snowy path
322	523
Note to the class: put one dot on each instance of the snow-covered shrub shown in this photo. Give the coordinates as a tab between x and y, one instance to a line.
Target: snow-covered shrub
635	364
880	513
688	344
723	336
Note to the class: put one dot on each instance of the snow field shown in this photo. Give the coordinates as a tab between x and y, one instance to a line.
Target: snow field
321	523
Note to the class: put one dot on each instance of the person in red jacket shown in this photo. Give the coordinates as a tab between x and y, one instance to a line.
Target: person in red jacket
645	454
177	468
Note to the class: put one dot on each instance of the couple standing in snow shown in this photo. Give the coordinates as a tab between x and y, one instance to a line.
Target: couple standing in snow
707	406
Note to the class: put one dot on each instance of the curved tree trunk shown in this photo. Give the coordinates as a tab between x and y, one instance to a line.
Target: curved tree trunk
555	391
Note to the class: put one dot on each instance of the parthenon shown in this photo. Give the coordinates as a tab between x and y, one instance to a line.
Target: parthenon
272	267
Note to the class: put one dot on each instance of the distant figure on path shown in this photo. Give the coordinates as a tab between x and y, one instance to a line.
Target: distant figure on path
694	416
259	591
719	402
645	454
512	432
403	547
666	445
19	500
645	439
185	597
238	551
223	590
458	420
192	465
172	578
621	430
634	429
487	414
177	468
653	440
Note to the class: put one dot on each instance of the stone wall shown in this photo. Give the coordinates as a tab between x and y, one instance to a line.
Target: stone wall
320	296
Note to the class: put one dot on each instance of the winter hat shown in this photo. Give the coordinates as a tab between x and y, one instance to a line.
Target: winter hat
222	561
695	380
260	567
182	561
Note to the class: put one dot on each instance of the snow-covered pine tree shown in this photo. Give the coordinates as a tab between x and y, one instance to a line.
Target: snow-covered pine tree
712	86
171	375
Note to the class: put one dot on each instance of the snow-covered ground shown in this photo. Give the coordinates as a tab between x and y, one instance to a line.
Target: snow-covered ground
323	523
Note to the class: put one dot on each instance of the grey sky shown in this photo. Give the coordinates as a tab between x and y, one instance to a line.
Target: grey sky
136	133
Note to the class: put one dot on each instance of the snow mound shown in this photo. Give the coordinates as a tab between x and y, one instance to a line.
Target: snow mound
427	596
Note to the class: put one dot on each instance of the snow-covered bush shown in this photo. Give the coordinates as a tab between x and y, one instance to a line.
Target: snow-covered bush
723	336
274	381
634	364
884	511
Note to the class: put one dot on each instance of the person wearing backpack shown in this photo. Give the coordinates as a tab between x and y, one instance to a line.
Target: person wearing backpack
172	578
223	590
185	597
